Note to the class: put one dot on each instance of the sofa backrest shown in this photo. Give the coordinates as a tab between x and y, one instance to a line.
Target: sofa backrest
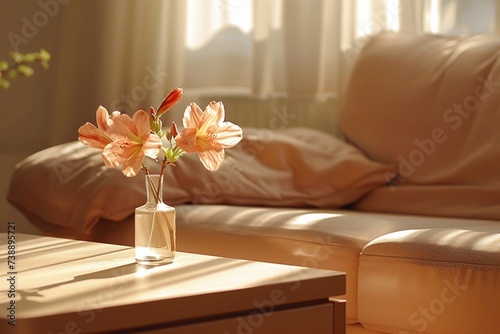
430	105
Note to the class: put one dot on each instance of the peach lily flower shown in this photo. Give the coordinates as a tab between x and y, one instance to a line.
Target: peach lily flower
132	141
206	132
98	137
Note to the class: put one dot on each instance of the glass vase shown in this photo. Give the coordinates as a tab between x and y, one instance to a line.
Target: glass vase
154	226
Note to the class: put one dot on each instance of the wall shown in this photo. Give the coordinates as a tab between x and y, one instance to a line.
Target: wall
29	120
25	27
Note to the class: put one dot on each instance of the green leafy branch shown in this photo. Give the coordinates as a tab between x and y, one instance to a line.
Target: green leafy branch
22	65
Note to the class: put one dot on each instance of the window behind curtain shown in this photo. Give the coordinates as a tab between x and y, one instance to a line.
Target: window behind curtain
220	34
205	19
241	50
463	16
219	44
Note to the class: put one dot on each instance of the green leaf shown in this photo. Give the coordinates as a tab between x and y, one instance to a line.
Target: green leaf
13	73
4	66
26	70
173	154
30	57
17	56
44	55
5	84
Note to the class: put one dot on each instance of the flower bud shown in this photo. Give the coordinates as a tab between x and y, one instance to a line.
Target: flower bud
152	113
172	98
173	132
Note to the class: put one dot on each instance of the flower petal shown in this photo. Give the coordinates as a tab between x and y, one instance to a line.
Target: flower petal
229	134
91	136
96	137
112	153
186	140
209	121
218	107
131	167
212	160
142	124
152	146
122	128
192	116
102	118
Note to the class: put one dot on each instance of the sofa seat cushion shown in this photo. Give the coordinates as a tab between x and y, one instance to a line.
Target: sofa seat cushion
318	238
432	280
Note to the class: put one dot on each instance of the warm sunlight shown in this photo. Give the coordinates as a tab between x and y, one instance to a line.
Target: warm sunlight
206	18
250	166
458	17
372	16
307	218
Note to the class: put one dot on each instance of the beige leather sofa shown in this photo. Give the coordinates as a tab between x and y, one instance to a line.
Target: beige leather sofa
422	250
422	255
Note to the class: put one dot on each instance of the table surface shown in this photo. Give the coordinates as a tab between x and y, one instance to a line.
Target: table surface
63	285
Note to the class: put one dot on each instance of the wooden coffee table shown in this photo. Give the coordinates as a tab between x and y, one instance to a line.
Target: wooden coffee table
54	285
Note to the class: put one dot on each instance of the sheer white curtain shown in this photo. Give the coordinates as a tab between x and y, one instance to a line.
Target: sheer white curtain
290	62
123	54
263	47
274	63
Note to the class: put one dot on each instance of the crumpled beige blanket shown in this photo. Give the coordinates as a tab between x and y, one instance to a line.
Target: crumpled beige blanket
68	185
